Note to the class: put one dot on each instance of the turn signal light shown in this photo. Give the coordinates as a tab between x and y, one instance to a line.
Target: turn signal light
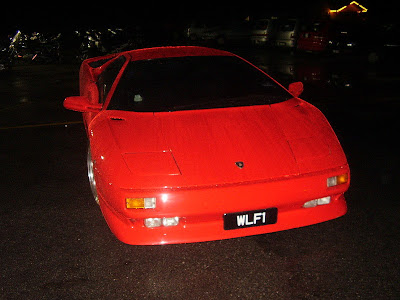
140	203
336	180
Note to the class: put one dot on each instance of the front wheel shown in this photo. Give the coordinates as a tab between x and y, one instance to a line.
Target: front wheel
92	181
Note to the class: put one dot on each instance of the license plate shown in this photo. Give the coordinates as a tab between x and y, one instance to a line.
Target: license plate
250	218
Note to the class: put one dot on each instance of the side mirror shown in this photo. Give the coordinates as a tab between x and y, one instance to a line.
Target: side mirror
81	104
296	88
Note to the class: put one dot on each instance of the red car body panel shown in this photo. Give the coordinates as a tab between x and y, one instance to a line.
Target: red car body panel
188	160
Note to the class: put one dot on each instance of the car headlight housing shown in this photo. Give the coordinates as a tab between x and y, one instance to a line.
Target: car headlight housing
337	180
317	202
137	203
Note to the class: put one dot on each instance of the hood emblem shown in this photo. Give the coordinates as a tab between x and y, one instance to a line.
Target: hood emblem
239	164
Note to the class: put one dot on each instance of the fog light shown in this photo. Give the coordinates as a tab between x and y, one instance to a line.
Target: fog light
316	202
140	203
170	221
336	180
152	222
309	204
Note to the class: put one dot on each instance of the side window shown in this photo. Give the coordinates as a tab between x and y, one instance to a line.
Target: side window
107	77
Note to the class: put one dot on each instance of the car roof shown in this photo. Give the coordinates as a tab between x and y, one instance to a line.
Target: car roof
158	52
177	51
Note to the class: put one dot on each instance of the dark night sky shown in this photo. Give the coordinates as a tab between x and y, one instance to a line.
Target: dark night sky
67	15
64	14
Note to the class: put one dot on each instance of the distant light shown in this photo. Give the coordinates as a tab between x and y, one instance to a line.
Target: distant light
363	9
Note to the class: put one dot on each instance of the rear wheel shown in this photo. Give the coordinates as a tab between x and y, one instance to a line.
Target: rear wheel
92	181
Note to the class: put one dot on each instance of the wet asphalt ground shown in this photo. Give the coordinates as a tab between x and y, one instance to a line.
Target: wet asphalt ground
56	244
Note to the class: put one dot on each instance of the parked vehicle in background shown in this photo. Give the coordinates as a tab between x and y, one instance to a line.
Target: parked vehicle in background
203	31
262	31
336	37
315	37
287	32
244	32
235	32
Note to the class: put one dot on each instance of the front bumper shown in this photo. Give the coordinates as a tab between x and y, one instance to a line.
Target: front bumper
201	209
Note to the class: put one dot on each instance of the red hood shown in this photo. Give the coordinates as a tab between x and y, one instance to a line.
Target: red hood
200	148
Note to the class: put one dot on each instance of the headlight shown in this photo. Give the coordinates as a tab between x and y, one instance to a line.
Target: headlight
152	222
157	222
336	180
317	202
140	203
170	221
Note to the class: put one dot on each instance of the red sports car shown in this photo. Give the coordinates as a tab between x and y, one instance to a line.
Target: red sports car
191	144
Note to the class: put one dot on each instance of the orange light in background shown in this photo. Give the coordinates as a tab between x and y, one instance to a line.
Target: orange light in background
363	9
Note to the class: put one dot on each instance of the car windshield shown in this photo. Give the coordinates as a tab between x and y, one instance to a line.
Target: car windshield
193	82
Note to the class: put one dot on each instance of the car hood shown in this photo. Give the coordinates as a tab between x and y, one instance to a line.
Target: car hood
213	146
